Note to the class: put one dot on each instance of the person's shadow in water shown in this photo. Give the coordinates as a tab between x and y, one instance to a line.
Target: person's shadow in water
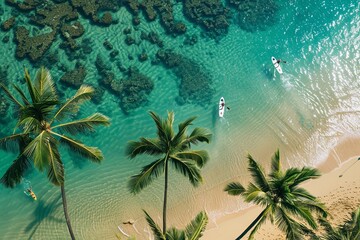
42	211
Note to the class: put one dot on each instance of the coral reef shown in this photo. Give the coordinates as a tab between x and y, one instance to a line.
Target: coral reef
195	83
92	9
54	15
255	15
74	78
134	90
8	24
32	47
209	14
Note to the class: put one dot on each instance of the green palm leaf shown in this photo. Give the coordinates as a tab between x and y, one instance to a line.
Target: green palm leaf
72	106
199	156
306	174
160	127
234	189
11	143
258	174
197	226
288	225
45	85
154	227
92	153
181	135
38	150
188	169
275	164
10	96
34	94
14	173
56	167
169	131
260	222
84	125
146	176
175	234
199	135
144	146
22	95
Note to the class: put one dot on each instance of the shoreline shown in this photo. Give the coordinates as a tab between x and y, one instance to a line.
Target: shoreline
329	188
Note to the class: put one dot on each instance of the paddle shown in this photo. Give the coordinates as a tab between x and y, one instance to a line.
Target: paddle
349	167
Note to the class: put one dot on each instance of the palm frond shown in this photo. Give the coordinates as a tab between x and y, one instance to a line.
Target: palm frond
305	174
15	172
313	205
188	169
199	135
92	153
31	89
301	211
288	225
258	175
200	157
169	125
45	85
11	143
275	163
84	125
146	176
22	95
144	146
197	226
29	124
38	150
256	195
56	167
330	232
302	193
10	96
161	132
72	105
181	135
175	234
154	227
234	189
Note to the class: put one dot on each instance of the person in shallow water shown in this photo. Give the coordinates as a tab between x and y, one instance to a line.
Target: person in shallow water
279	61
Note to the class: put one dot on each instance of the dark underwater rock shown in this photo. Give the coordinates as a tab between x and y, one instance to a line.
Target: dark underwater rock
32	47
195	83
54	15
26	5
255	15
8	24
75	78
108	46
209	14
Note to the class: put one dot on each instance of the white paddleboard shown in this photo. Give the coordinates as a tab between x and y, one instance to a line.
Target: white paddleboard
221	107
276	65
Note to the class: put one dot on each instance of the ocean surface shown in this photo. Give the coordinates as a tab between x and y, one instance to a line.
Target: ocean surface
305	112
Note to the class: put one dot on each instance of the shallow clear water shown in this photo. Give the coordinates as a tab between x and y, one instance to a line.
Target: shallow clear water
305	112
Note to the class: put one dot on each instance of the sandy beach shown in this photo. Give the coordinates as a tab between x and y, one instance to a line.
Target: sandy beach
341	195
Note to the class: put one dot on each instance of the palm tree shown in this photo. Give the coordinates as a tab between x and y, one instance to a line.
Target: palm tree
39	131
193	230
349	230
173	148
279	193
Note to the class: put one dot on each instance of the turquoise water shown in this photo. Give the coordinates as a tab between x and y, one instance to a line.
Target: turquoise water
305	112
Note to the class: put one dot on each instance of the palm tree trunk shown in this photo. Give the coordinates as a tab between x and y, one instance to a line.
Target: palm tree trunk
165	196
63	196
252	224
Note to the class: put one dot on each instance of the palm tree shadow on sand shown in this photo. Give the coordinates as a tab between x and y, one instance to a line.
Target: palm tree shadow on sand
42	211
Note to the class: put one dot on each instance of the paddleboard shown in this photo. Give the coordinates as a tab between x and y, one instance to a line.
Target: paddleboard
29	192
276	65
221	107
